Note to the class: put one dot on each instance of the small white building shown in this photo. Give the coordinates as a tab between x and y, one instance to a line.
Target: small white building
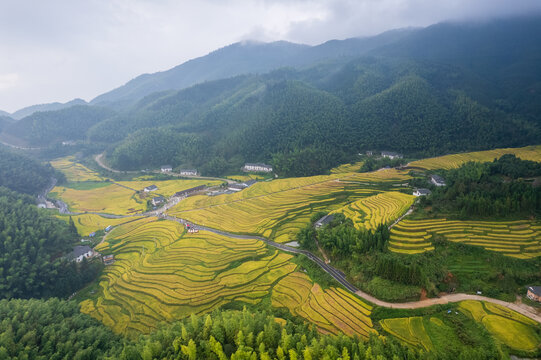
188	172
437	180
81	252
257	167
166	168
391	155
150	188
421	192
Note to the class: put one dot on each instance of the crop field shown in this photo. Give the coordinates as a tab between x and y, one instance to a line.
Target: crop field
278	209
506	326
347	168
278	215
410	330
379	209
454	161
520	239
245	177
88	223
162	274
332	310
75	171
167	188
110	199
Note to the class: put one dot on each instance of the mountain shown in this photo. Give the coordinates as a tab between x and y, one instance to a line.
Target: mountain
4	113
46	127
243	58
5	121
450	87
27	111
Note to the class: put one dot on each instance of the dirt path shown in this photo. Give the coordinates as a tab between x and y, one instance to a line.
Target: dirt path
99	161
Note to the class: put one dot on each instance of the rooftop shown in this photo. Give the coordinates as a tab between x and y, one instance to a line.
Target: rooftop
79	250
535	289
423	191
324	220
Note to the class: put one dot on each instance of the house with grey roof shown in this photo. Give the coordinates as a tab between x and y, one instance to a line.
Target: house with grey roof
256	167
421	192
80	252
437	180
324	221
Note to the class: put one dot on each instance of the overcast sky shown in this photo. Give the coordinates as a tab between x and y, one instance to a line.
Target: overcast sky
57	50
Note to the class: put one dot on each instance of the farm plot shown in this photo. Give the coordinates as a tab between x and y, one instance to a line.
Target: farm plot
278	215
89	223
506	326
163	274
347	168
410	330
110	199
372	211
332	310
168	188
454	161
520	239
75	171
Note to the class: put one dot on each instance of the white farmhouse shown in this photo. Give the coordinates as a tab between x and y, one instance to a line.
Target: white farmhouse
421	192
167	168
81	252
258	167
188	172
391	155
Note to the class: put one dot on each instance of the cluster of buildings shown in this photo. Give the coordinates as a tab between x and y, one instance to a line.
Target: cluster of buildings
183	172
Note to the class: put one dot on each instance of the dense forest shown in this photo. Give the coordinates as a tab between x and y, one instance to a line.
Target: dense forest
499	188
32	245
23	174
54	329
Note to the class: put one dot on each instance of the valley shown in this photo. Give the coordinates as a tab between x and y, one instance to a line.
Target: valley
240	255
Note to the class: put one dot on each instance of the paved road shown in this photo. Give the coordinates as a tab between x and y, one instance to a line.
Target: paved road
341	278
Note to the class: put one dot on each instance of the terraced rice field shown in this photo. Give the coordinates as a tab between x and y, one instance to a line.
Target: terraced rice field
520	239
278	209
75	171
110	199
278	215
410	330
347	168
162	274
168	188
245	177
506	326
89	223
382	208
332	310
454	161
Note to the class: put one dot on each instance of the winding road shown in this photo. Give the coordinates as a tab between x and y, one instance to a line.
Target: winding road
338	275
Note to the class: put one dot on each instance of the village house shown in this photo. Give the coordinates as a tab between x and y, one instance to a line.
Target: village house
150	188
80	252
108	228
236	187
108	259
421	192
157	200
187	192
191	229
437	180
391	155
191	172
167	168
534	293
257	167
324	221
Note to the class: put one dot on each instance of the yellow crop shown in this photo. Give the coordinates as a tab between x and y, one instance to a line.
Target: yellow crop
453	161
513	238
411	330
332	310
75	171
379	209
88	223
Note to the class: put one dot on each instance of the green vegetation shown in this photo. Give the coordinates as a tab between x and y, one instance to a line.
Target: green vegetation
53	329
32	244
22	174
489	189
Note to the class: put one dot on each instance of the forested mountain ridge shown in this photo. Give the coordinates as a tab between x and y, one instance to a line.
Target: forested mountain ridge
386	92
29	110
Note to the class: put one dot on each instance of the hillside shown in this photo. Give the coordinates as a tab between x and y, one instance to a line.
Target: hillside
29	110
